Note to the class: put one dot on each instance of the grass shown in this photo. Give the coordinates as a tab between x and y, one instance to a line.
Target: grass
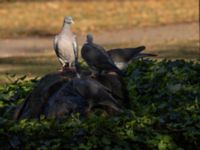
44	18
40	64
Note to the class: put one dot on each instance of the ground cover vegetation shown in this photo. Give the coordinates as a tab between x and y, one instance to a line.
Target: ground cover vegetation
163	113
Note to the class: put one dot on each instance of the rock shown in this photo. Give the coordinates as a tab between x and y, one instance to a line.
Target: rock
116	85
58	95
35	102
64	102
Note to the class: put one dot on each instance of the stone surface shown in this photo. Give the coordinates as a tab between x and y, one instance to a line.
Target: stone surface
60	94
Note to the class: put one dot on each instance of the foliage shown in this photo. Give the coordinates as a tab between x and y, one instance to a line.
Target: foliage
13	93
163	114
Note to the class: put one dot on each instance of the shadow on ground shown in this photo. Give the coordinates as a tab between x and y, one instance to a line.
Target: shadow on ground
38	65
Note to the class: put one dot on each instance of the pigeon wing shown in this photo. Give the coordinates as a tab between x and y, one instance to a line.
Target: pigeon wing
97	57
125	54
103	60
58	51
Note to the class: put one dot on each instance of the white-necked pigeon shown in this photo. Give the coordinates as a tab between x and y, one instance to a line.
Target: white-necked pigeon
65	44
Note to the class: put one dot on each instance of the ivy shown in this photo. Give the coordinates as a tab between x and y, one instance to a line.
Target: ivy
164	114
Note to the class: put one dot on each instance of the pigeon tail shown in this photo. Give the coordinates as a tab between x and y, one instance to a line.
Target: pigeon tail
140	48
146	55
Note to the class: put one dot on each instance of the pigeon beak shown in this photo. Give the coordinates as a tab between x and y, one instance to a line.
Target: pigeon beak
72	22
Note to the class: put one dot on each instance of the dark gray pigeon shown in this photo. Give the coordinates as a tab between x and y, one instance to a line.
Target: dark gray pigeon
93	92
141	55
65	44
97	58
122	56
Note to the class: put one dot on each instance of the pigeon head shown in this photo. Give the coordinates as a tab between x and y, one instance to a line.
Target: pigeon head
68	20
89	38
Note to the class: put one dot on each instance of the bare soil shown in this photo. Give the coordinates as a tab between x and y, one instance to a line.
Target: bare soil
147	36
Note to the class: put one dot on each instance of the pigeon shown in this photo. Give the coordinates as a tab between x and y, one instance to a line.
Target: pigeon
95	93
65	44
97	58
122	56
141	55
